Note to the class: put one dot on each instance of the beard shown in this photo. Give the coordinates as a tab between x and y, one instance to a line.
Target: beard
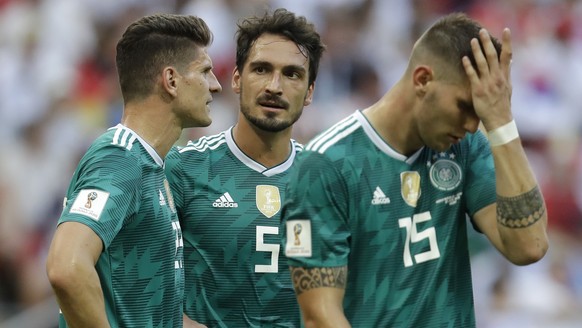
270	122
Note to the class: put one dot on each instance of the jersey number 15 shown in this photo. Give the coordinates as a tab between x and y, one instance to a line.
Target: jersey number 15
415	236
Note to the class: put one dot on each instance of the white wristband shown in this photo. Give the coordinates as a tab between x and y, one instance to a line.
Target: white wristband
503	134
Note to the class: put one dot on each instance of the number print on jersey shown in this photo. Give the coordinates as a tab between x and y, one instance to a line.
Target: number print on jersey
272	248
414	236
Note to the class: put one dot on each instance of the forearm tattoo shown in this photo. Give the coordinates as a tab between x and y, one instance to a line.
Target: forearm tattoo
521	211
305	279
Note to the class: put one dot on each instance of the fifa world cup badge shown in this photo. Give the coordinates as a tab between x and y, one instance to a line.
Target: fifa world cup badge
298	236
90	198
297	228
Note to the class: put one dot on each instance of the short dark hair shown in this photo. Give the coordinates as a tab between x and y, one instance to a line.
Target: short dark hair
153	42
449	39
285	23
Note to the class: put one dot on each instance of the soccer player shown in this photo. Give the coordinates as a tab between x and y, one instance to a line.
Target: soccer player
374	223
228	188
116	257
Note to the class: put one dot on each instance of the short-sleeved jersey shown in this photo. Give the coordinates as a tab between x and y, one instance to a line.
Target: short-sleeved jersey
119	190
398	223
229	209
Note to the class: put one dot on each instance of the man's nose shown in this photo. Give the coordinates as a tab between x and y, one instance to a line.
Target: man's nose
274	84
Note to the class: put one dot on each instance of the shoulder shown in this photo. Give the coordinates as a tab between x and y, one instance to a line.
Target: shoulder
335	136
117	155
196	153
117	137
117	146
203	145
334	144
476	143
477	137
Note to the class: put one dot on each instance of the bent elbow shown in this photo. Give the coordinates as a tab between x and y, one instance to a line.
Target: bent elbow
55	275
529	255
60	274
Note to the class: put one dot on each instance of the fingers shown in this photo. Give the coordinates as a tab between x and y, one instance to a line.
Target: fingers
470	70
480	59
489	78
489	49
486	56
506	51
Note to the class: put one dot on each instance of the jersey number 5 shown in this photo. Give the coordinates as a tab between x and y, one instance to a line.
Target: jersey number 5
272	248
415	236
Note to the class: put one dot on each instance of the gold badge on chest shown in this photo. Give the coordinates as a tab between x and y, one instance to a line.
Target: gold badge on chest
410	187
268	200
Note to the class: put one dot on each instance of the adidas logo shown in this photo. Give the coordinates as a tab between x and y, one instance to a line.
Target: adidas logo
225	201
379	197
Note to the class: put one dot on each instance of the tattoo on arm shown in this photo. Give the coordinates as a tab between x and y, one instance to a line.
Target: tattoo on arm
521	211
305	279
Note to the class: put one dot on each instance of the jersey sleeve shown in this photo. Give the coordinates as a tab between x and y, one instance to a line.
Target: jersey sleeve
106	193
480	181
315	230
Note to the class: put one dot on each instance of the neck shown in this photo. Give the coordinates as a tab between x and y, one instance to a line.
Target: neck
393	118
267	148
152	123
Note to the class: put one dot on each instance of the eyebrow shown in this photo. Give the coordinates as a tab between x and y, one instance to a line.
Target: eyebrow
259	63
203	65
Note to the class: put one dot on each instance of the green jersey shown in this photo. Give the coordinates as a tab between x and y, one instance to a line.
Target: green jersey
229	209
398	223
120	191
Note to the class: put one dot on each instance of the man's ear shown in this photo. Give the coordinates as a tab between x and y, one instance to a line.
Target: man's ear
170	77
235	82
309	96
421	76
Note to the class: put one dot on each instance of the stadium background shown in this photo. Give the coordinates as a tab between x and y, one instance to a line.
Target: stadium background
58	91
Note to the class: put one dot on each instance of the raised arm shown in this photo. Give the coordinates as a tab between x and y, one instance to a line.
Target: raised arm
516	223
71	271
320	293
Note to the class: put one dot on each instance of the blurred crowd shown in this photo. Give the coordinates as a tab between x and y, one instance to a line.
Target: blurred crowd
59	90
